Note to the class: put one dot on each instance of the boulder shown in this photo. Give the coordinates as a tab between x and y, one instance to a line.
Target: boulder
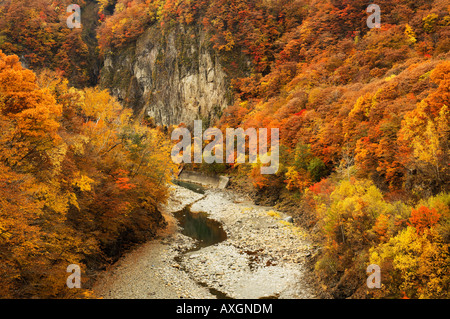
289	219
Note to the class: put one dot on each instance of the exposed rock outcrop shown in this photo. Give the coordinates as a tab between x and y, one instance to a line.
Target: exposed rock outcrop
173	77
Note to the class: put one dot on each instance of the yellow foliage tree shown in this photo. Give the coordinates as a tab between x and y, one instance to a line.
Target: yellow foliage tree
414	265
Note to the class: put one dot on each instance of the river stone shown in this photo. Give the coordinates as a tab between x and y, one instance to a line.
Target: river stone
289	219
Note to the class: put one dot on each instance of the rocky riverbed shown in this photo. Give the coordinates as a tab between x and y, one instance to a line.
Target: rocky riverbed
263	255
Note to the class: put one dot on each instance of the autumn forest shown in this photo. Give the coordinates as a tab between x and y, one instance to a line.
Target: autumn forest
363	115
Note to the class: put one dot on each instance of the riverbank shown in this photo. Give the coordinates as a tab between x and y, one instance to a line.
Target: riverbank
262	257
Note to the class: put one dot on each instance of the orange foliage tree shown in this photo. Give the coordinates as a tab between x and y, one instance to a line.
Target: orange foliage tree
80	180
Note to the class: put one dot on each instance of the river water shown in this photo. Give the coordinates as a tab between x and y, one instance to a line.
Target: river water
198	226
205	231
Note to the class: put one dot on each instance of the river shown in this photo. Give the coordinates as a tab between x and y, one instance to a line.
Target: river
218	244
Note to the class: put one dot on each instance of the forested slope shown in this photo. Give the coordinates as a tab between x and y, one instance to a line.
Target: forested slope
363	117
80	181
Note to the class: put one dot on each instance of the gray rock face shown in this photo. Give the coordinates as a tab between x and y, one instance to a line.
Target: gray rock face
174	77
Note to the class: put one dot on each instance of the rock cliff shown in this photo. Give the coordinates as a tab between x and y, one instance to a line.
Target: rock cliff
172	77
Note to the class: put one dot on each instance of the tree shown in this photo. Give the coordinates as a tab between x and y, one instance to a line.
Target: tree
417	265
426	131
80	179
423	218
30	115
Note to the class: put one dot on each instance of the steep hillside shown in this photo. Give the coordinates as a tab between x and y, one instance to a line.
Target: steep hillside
363	117
37	32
